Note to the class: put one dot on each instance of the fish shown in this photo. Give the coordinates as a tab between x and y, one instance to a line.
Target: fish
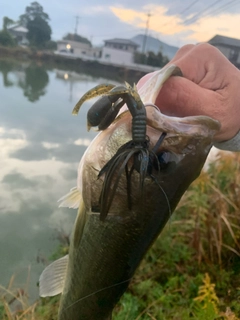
105	253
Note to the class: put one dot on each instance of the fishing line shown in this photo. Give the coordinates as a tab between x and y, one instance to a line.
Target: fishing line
91	294
164	193
159	142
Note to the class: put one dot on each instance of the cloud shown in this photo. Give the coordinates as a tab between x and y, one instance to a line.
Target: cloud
167	28
207	27
32	152
82	142
68	152
173	26
69	173
16	180
24	234
49	145
11	140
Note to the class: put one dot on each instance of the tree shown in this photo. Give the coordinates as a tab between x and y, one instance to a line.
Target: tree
7	22
33	11
51	45
36	80
36	21
157	60
6	67
5	37
151	59
39	32
76	37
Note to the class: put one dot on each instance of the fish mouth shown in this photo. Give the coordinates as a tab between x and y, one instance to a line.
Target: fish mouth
150	95
150	90
178	129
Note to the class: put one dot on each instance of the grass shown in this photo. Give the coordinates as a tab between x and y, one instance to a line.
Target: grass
192	270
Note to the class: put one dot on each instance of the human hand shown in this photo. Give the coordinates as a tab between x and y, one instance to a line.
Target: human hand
210	86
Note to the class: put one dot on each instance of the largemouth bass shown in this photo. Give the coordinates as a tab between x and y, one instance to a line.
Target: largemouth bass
105	252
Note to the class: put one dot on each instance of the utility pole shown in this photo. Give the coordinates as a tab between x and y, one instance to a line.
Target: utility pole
146	33
76	25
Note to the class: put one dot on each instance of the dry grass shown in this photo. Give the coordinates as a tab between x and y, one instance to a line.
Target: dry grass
14	301
210	211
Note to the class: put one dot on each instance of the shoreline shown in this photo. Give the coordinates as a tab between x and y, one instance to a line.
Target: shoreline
93	67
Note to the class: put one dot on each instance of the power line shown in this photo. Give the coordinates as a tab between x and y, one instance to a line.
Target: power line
225	5
196	16
229	4
189	7
146	33
183	11
76	25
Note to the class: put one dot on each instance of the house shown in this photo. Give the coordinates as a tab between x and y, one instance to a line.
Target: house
20	34
119	51
114	51
230	47
76	47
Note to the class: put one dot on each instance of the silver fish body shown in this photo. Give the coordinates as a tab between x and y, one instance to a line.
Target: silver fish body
105	254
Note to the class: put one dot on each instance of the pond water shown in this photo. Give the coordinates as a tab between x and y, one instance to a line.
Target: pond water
41	144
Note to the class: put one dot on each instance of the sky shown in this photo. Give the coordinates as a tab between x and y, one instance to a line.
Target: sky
176	22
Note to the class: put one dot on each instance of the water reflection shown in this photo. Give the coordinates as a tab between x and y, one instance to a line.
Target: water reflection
32	78
40	151
36	79
5	68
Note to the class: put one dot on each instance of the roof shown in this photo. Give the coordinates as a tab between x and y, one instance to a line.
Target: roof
218	39
18	28
122	41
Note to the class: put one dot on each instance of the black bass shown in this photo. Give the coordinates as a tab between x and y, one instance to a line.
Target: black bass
121	211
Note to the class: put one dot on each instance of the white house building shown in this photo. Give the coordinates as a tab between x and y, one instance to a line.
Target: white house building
78	49
116	52
75	47
230	47
119	51
20	34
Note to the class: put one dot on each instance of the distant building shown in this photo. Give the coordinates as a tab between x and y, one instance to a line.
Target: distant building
76	47
120	51
20	34
230	47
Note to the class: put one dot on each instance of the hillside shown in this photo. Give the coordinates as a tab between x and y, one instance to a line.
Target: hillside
155	45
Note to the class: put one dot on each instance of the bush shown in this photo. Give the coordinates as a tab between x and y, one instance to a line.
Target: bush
6	39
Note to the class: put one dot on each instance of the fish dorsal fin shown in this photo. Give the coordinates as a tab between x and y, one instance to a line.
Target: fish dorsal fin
72	199
52	279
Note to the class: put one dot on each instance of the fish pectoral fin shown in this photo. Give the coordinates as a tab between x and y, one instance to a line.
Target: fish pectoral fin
72	199
52	279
